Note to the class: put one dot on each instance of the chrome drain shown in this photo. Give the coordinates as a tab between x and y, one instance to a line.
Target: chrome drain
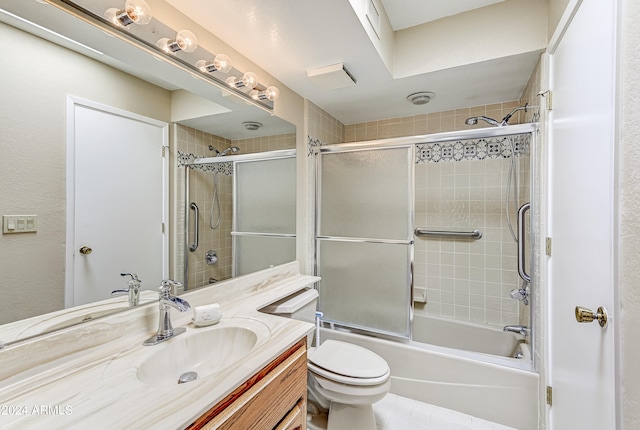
187	377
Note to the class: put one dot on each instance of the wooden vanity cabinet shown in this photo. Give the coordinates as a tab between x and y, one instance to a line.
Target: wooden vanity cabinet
274	398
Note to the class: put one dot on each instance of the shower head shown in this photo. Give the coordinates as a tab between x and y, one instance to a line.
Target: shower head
474	120
231	148
505	121
220	154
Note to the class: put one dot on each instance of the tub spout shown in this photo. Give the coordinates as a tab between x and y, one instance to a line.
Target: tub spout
520	329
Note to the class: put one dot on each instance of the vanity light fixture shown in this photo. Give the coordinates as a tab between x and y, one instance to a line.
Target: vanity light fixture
248	80
271	93
135	11
221	63
185	41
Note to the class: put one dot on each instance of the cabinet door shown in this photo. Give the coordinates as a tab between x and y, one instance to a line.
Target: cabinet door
264	400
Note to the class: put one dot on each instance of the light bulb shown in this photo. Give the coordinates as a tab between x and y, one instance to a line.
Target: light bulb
221	63
271	93
138	11
135	11
185	41
249	80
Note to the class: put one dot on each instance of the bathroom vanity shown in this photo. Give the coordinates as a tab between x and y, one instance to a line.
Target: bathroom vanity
251	366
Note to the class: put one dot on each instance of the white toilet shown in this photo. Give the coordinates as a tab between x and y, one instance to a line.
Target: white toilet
344	379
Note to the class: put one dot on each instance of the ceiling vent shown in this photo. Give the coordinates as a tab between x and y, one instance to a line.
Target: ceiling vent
421	98
331	77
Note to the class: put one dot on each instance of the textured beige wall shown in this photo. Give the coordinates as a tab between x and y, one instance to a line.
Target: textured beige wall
37	76
629	204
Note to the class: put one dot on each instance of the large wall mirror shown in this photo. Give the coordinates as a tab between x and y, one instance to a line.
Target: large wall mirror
43	66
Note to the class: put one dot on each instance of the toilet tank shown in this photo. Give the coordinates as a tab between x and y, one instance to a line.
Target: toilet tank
300	305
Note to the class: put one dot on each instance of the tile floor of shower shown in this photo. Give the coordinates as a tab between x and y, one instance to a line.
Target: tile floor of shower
400	413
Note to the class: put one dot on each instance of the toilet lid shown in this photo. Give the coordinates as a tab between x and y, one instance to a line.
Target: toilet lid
349	360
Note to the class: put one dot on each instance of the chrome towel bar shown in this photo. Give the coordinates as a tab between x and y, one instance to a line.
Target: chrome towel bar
475	234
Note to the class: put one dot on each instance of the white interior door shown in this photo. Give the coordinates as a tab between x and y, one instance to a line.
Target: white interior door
117	194
581	218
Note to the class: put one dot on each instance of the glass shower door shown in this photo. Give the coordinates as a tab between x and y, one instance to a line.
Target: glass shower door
364	239
264	232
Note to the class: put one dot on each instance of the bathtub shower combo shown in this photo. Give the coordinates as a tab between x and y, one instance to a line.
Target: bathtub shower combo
238	214
424	251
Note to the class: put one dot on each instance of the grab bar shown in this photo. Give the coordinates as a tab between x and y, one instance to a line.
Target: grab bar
196	233
521	242
475	234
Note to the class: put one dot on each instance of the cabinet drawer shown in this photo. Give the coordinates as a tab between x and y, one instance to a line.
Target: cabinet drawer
296	418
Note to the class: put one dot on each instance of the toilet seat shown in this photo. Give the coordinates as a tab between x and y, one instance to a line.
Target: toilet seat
348	364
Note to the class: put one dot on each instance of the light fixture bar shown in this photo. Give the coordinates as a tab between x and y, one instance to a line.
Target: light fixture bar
186	61
48	31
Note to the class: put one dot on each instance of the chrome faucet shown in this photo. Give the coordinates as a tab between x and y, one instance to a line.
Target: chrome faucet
133	289
520	329
167	301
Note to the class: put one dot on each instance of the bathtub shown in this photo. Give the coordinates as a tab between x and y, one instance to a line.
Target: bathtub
469	337
492	387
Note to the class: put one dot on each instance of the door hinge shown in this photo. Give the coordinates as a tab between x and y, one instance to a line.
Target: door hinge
164	150
548	96
549	395
163	228
547	246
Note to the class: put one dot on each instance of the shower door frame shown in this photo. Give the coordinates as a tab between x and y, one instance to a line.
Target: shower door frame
254	156
534	246
235	234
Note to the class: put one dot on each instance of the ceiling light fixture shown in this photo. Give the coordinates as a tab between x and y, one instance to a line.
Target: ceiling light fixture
421	98
248	80
185	41
252	125
271	93
221	63
135	11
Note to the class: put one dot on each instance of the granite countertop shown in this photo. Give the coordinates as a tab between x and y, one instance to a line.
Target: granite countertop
87	376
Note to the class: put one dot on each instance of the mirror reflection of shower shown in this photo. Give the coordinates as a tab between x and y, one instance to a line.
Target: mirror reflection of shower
215	201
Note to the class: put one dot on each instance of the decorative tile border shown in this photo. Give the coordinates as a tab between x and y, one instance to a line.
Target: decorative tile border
472	149
312	143
226	168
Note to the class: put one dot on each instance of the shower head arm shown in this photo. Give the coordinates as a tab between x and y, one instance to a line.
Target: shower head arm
505	120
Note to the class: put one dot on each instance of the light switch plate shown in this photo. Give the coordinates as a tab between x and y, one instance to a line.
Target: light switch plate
19	224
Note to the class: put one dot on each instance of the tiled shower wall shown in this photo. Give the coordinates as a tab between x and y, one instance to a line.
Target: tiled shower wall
465	280
191	143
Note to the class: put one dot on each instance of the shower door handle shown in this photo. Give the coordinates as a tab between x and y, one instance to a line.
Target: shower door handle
196	223
522	242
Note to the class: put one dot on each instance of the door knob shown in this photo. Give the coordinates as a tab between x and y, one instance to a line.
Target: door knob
585	315
85	250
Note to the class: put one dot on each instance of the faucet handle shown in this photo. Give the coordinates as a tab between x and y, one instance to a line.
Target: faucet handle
134	283
167	285
134	277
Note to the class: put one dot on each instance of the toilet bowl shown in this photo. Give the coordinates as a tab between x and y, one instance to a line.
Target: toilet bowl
344	380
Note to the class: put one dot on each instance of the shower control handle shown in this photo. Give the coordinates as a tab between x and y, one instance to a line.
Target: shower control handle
586	315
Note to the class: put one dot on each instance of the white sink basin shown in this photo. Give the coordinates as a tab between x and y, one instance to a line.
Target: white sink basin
205	351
